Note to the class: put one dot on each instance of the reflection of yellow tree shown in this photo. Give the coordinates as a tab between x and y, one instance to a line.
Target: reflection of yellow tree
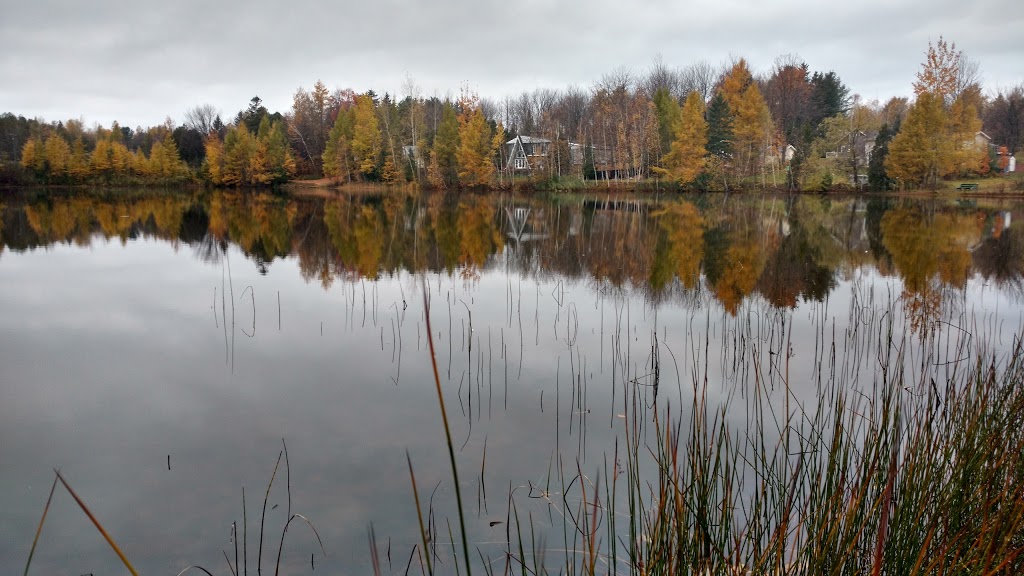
369	241
78	218
478	236
257	223
925	249
682	246
356	233
744	262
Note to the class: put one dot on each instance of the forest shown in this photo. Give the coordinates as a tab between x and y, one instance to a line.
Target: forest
696	127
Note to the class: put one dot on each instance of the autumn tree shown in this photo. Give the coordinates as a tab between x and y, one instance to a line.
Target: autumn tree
788	94
687	154
366	137
964	122
940	70
750	115
310	123
164	163
922	152
33	156
476	144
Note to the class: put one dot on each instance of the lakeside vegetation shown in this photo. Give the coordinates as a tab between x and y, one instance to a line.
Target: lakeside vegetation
699	127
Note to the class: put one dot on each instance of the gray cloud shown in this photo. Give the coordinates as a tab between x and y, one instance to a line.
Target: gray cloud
139	62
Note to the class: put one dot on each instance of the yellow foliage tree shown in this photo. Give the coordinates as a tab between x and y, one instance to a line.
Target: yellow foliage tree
33	155
58	156
923	151
476	145
213	164
366	136
686	157
751	118
964	122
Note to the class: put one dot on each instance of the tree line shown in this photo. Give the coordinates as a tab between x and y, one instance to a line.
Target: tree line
699	127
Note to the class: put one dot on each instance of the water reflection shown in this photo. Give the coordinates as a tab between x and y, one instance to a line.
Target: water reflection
550	317
786	249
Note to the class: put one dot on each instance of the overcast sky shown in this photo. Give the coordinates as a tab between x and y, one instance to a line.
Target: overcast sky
138	62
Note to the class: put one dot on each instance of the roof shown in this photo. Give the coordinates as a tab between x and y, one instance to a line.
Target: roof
528	140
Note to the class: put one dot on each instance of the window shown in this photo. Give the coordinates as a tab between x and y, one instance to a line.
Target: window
520	163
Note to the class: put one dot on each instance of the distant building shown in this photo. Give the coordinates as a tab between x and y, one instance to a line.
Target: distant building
412	156
526	153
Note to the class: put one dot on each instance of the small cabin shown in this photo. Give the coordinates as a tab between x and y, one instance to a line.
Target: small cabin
527	152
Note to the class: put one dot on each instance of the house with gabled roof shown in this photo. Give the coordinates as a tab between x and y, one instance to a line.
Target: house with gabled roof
526	153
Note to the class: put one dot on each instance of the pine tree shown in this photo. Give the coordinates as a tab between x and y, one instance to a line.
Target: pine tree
668	112
878	179
720	135
280	162
338	151
444	168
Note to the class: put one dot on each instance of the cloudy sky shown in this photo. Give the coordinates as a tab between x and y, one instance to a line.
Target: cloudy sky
138	61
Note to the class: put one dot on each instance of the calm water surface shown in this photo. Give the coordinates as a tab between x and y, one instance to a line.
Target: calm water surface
157	348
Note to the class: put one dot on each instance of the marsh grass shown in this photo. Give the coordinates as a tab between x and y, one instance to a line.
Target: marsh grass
912	473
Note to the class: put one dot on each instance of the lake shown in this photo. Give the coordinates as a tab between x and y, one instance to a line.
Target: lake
161	349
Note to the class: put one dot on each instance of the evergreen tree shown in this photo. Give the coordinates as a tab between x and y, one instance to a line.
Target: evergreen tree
280	162
878	179
829	96
668	112
339	147
444	169
720	134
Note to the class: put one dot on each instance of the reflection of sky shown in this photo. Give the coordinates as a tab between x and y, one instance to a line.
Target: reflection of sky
115	357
